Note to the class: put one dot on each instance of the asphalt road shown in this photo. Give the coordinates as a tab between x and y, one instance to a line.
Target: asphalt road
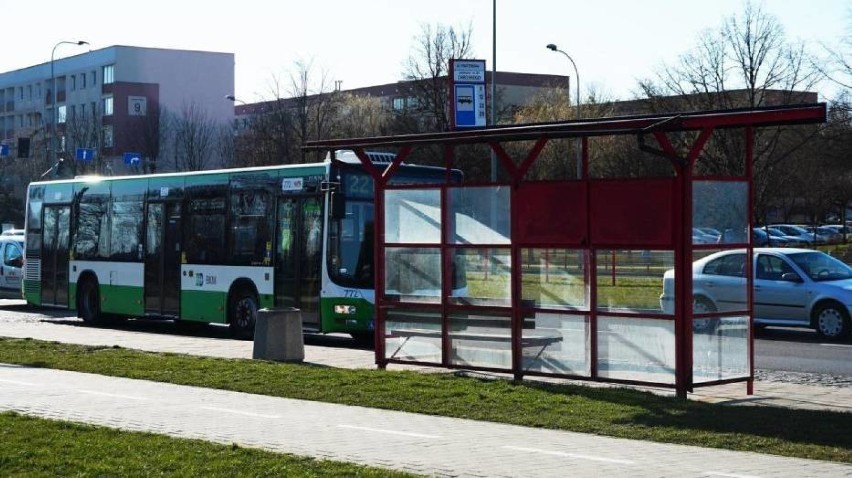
776	349
801	350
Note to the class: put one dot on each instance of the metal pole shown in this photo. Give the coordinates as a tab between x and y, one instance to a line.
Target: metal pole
55	115
577	81
494	86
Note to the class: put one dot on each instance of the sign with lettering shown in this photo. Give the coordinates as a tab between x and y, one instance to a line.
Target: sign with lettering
468	93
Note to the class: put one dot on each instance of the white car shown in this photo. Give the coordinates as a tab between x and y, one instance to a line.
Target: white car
792	287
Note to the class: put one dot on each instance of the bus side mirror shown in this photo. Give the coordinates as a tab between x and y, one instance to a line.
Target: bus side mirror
338	205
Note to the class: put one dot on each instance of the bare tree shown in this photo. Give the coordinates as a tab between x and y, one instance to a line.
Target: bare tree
426	90
747	62
360	116
194	138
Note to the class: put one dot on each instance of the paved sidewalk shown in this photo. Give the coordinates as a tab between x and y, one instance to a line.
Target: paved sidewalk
404	441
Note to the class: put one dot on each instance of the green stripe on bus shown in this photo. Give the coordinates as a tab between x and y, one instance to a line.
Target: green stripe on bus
359	322
117	299
204	306
32	291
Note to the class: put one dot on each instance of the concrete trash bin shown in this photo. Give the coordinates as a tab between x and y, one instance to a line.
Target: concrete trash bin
278	335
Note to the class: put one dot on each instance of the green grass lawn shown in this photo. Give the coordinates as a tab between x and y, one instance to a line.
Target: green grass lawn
606	411
39	447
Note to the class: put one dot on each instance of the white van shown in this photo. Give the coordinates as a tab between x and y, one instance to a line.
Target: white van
11	265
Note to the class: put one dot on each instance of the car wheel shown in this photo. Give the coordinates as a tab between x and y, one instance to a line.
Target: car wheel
88	302
243	314
831	321
703	305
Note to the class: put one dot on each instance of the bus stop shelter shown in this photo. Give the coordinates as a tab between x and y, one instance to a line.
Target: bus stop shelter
583	277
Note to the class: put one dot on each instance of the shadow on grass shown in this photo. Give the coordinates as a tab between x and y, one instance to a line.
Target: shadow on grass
818	427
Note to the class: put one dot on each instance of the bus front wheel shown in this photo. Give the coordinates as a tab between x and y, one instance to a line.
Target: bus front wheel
243	314
88	302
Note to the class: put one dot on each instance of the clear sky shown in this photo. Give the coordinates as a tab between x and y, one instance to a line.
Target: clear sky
365	42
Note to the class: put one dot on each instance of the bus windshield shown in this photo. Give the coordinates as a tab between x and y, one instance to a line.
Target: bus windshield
350	233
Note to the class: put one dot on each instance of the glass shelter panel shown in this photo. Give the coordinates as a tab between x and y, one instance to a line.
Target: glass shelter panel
413	335
554	279
481	339
631	281
721	351
721	207
482	276
413	274
719	283
480	215
413	216
556	343
636	349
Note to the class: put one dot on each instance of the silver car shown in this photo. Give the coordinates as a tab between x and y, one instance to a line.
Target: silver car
792	287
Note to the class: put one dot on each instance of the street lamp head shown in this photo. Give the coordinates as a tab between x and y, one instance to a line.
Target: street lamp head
82	42
551	46
231	97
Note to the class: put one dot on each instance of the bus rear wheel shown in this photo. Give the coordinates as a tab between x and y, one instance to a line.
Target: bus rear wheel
88	302
243	314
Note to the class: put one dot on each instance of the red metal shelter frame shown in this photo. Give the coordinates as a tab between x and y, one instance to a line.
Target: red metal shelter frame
665	202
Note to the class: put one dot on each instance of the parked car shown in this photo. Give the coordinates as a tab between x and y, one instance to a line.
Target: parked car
791	241
831	235
803	234
701	237
11	265
792	287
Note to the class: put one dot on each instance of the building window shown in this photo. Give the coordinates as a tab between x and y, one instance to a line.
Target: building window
73	82
398	103
108	74
108	106
94	78
29	92
61	114
21	92
107	131
72	110
83	111
83	81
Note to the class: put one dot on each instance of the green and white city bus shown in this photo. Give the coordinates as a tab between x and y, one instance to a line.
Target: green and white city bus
211	246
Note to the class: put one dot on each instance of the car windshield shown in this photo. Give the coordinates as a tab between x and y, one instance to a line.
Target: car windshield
821	267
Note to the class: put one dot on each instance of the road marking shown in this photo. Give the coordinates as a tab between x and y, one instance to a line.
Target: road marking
113	395
728	475
390	432
240	412
18	383
571	455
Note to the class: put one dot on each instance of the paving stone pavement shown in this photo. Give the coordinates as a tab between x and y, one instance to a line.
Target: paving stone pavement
421	444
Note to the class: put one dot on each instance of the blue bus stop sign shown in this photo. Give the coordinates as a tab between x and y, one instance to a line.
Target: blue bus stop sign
4	150
85	155
132	159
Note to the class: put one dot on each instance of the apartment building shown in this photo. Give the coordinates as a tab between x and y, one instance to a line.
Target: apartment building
110	101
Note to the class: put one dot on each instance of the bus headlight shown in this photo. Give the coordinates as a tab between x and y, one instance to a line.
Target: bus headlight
345	309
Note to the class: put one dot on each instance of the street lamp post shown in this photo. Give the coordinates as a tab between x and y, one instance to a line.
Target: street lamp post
55	115
235	99
553	47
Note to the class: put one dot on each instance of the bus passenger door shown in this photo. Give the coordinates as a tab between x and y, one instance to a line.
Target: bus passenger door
54	255
298	256
162	259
